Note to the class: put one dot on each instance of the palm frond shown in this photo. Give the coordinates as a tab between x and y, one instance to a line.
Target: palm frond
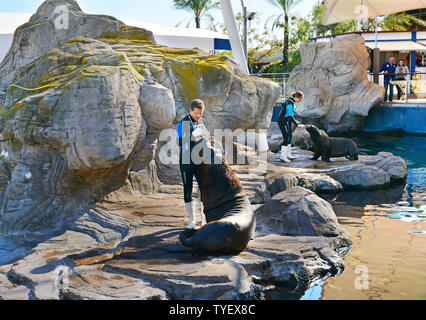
401	22
276	23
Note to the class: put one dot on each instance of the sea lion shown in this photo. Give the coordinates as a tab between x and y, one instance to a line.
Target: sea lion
229	215
327	147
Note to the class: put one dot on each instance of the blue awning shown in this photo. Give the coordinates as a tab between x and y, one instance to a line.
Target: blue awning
222	44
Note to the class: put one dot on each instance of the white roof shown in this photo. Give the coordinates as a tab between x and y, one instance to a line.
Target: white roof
9	21
397	46
159	30
343	10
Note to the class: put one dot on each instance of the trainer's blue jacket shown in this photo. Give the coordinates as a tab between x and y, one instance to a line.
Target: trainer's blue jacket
184	134
389	68
288	111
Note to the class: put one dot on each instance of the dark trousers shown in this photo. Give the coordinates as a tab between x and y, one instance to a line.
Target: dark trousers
399	92
286	130
390	86
188	171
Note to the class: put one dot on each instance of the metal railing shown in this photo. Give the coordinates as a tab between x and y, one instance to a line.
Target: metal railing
408	87
412	91
280	78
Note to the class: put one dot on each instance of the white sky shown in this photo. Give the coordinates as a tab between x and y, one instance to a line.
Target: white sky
161	13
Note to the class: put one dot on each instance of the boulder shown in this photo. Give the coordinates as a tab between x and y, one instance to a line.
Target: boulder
297	212
361	177
49	28
338	95
394	166
275	142
43	264
375	172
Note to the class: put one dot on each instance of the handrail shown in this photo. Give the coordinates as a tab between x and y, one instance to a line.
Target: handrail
395	74
283	78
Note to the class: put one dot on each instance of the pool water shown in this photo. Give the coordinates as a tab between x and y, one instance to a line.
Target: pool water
388	228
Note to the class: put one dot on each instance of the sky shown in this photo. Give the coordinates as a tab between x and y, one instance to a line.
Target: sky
161	13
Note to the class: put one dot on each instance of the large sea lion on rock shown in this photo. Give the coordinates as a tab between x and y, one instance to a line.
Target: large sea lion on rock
327	147
230	218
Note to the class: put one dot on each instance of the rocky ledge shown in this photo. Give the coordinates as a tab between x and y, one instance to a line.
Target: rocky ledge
298	240
151	264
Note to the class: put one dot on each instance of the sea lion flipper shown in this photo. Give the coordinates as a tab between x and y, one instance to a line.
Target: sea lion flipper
214	237
186	237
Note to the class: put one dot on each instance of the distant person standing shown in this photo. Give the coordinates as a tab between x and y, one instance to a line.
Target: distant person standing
388	69
285	122
401	72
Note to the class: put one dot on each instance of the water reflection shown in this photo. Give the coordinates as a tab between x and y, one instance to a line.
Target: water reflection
388	228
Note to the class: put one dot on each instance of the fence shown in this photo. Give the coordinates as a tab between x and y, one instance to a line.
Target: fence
413	88
406	86
280	78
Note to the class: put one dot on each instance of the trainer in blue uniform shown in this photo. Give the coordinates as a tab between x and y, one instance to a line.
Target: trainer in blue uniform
388	69
189	134
285	121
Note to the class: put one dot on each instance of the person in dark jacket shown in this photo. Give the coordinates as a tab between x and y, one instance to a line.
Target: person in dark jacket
285	122
388	69
190	133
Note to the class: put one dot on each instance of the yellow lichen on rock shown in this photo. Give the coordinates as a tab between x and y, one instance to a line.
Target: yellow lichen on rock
196	74
130	34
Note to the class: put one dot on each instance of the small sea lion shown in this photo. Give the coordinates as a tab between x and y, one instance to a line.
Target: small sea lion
229	215
327	147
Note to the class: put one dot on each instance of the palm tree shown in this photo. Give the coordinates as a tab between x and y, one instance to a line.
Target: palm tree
198	8
285	6
402	22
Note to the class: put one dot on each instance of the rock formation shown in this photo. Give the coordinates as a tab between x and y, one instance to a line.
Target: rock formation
333	76
104	93
82	148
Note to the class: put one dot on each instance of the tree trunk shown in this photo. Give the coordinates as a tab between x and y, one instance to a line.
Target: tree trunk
198	22
286	40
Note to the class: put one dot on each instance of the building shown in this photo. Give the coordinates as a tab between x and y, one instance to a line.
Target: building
206	40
